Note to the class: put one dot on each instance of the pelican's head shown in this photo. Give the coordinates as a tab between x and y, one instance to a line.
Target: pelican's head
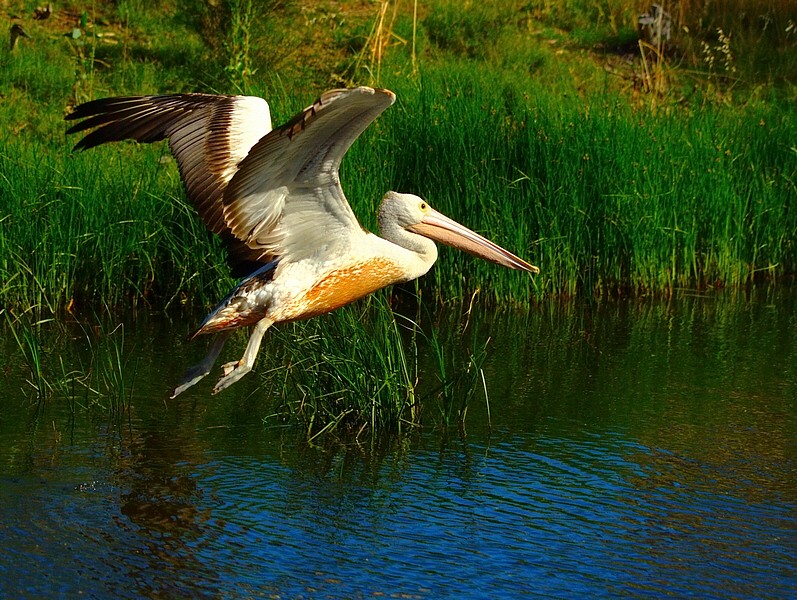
413	214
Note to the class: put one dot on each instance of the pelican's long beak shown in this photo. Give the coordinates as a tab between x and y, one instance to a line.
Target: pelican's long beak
438	227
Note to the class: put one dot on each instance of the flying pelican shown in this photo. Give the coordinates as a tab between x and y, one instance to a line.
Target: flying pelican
274	197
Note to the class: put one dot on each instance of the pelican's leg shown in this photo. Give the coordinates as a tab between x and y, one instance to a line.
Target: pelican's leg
233	371
198	371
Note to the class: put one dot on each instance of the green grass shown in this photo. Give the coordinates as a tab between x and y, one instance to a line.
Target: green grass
601	196
366	370
84	362
76	231
352	375
535	149
342	371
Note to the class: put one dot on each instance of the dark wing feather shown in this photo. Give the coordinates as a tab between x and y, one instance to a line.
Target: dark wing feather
208	135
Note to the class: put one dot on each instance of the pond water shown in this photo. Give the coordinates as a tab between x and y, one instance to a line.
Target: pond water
639	448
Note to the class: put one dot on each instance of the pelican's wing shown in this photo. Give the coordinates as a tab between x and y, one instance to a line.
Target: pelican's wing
208	135
285	201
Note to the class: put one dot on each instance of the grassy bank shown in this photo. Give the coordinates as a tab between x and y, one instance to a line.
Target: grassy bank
530	141
540	127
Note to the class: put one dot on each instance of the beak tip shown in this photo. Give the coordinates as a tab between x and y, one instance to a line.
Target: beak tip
528	267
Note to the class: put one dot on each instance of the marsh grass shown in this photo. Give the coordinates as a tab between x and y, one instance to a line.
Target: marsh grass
369	369
458	375
77	231
603	198
95	372
30	349
113	370
352	375
604	195
352	371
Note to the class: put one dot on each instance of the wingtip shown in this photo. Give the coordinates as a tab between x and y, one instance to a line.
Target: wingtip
388	93
381	92
363	89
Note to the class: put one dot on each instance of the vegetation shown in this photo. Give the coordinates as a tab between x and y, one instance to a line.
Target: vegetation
616	167
359	372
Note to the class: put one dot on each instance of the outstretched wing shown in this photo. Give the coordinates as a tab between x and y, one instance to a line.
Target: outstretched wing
208	135
285	201
269	194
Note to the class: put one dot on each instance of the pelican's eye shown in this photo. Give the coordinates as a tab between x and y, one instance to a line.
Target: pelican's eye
423	206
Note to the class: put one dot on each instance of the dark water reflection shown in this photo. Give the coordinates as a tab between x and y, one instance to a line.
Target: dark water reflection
637	448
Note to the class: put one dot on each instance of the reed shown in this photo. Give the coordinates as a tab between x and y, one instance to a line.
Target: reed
85	364
347	374
454	370
373	368
601	197
30	348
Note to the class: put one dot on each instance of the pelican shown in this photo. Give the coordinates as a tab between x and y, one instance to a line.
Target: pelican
274	197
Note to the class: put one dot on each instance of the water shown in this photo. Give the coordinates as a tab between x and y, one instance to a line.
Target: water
638	448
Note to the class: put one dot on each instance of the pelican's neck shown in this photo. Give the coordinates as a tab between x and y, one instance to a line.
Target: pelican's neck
416	253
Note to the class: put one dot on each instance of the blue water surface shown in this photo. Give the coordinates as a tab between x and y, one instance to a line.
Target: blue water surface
637	451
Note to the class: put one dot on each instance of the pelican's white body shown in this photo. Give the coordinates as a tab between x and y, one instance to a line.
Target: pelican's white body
335	275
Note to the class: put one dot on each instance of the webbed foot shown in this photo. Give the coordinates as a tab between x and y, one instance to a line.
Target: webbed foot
191	377
233	371
198	371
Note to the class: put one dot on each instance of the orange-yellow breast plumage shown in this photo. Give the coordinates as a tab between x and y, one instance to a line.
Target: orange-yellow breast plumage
258	298
344	285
